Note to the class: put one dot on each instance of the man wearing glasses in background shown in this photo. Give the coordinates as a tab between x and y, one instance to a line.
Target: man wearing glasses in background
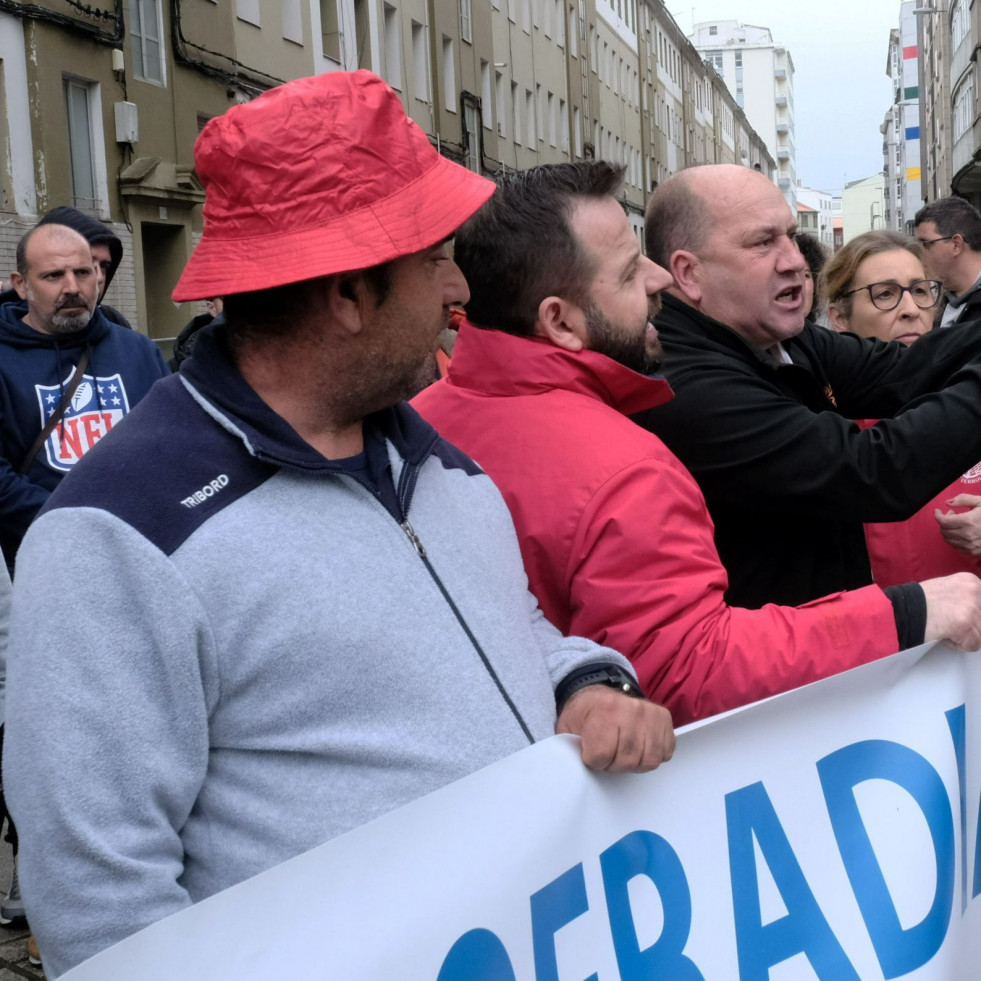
763	407
950	232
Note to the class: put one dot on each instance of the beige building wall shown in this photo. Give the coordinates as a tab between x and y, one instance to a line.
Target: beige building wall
669	102
862	206
725	122
497	85
617	123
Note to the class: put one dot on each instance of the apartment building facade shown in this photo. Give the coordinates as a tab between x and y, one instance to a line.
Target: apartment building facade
901	153
950	152
103	105
933	89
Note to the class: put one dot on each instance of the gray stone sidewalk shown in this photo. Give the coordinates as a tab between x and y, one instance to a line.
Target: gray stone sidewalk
13	942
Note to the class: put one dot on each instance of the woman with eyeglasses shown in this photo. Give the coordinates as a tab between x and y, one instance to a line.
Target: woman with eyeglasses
876	286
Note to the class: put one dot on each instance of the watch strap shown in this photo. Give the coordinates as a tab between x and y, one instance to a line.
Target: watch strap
610	675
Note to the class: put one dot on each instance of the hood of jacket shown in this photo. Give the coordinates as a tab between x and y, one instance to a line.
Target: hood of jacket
15	333
93	231
499	363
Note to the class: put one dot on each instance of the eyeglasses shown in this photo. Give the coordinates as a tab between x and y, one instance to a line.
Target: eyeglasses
927	242
887	296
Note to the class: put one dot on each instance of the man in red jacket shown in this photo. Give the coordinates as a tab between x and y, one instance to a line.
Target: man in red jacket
615	534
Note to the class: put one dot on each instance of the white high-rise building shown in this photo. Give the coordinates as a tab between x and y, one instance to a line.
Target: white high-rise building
760	75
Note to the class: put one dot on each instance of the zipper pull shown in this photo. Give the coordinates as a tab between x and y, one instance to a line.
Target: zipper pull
414	538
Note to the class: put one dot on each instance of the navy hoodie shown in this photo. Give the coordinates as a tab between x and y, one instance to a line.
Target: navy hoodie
35	368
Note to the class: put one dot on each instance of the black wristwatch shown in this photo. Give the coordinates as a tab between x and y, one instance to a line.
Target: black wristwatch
595	674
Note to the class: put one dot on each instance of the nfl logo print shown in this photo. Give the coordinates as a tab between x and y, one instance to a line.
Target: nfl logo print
97	405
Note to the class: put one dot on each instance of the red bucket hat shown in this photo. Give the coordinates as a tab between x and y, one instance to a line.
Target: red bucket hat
319	176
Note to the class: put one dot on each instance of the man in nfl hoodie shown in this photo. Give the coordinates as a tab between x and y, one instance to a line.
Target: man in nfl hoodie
43	337
107	254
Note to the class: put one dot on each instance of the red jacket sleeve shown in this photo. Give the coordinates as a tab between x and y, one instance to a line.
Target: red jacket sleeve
645	579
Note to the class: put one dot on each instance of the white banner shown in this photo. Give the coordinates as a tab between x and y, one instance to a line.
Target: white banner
828	833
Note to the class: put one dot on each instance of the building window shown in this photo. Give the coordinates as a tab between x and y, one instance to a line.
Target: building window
959	23
393	45
146	28
82	106
486	106
963	107
449	75
501	103
330	29
465	19
248	10
292	21
420	62
713	30
530	118
516	112
471	121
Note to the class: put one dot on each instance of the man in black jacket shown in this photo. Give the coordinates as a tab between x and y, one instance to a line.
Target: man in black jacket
764	404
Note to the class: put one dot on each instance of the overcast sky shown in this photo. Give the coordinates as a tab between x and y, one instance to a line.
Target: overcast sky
841	91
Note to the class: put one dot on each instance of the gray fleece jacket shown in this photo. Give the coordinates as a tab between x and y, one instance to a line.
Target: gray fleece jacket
226	650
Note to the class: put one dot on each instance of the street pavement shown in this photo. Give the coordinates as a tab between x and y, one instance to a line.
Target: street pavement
13	941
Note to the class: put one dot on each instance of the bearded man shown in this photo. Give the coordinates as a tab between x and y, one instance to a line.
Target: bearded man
614	531
400	650
67	374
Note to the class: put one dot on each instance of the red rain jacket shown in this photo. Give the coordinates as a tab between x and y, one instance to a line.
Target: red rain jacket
616	538
914	550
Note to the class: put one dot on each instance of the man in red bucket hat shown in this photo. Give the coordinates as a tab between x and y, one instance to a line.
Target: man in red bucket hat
309	608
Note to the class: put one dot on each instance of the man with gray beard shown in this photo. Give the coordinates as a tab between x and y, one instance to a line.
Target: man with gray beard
549	365
67	375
